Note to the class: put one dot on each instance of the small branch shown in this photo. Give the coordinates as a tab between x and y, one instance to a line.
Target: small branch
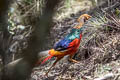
107	76
117	76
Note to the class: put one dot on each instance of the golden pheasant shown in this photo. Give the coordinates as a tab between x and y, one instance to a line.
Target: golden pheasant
69	44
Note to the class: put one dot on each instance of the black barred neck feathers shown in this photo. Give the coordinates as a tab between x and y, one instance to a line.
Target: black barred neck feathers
78	26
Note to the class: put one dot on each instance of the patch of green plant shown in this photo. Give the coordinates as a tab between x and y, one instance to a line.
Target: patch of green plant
67	3
117	12
28	1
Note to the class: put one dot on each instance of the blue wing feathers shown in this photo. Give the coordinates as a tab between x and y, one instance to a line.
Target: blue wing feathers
62	45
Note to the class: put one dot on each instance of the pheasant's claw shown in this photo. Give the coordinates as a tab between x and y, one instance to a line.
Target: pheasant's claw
73	60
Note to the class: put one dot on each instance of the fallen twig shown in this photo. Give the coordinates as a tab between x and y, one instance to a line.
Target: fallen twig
107	76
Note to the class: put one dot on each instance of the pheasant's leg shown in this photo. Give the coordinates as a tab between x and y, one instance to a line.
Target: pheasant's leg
72	60
53	65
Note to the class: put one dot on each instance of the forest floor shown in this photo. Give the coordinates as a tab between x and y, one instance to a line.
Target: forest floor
99	54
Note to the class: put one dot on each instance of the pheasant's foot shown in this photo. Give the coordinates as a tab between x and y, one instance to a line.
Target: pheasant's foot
73	60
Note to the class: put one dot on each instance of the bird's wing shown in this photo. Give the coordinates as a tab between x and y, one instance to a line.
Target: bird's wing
67	42
62	45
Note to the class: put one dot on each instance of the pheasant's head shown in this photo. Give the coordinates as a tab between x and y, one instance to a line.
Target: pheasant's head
83	18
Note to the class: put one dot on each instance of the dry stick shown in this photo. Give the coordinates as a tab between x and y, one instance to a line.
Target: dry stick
29	11
114	23
111	7
114	17
107	76
116	78
114	20
112	26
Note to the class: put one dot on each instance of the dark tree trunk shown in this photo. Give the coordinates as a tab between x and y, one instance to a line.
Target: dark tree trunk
5	35
21	69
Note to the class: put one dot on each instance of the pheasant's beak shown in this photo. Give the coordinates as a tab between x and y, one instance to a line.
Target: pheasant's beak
88	17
